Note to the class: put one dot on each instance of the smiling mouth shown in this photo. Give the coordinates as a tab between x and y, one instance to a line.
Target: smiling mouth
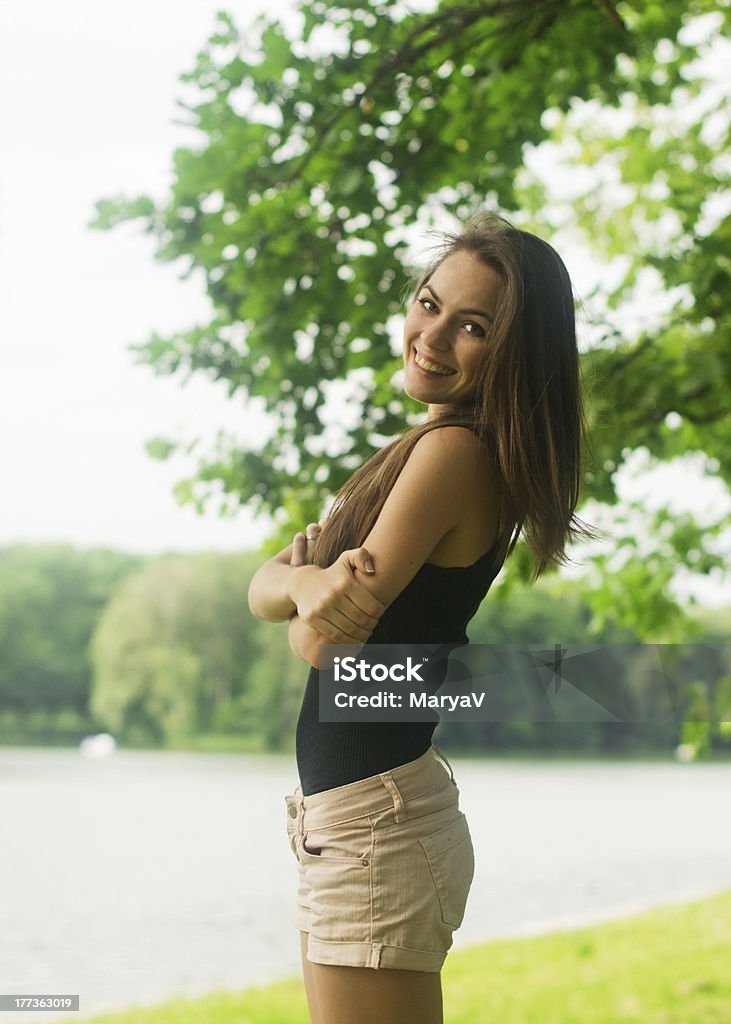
426	364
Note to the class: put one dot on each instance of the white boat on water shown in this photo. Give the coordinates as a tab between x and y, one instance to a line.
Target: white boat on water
100	745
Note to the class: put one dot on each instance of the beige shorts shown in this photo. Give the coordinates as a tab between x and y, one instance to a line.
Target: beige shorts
385	866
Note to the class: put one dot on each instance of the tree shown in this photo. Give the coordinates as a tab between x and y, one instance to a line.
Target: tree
316	153
174	654
51	597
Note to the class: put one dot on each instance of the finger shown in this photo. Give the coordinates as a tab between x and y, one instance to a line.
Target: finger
337	611
363	561
345	631
365	602
359	558
366	605
338	628
299	550
360	617
336	636
351	619
313	531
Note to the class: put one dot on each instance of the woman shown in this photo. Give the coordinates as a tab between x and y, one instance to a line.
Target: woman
410	548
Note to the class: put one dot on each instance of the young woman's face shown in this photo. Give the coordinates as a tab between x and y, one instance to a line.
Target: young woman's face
447	328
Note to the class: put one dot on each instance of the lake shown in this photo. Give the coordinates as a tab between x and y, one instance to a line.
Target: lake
147	875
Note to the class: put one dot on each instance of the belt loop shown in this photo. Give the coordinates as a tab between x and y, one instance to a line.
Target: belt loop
398	803
443	758
300	811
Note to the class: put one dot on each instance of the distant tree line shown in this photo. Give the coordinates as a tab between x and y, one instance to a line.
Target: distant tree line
162	651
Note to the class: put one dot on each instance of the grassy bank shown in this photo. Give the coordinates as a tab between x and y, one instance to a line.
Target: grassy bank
667	966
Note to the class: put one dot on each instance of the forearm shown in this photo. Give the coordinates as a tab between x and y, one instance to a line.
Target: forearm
329	599
272	590
304	641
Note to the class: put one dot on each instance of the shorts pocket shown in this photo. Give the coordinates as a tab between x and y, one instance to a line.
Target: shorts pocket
347	846
311	854
452	864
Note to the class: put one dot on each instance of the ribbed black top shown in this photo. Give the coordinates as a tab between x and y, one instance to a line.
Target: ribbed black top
434	608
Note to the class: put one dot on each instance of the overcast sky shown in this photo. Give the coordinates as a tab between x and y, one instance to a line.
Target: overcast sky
88	93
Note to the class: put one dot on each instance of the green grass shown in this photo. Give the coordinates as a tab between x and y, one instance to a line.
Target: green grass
668	966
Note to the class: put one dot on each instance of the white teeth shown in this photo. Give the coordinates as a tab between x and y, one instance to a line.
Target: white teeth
431	367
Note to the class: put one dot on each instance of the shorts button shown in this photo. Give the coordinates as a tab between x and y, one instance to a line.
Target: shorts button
364	862
292	811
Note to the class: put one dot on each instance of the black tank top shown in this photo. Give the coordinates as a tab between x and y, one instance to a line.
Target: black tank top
434	608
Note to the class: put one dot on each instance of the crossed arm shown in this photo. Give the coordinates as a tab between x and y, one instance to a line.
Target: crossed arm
331	600
304	639
321	605
343	602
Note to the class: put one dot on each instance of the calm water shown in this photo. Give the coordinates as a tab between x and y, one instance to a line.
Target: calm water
149	875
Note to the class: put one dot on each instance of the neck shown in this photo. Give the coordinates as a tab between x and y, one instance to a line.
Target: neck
449	412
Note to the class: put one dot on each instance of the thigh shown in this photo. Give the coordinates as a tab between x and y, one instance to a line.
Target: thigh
309	981
361	995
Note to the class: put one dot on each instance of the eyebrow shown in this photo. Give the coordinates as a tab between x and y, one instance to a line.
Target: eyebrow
475	312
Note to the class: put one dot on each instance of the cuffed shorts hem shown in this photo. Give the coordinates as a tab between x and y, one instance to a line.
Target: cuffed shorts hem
373	954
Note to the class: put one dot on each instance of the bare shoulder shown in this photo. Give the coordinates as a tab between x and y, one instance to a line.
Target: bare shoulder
455	449
468	474
436	507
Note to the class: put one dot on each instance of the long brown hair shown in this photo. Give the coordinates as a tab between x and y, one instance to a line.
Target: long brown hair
527	407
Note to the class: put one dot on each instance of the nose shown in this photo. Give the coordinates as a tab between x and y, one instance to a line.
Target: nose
436	336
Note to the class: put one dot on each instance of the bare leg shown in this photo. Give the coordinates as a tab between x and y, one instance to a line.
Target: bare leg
309	982
362	995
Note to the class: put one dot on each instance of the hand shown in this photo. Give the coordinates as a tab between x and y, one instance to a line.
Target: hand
302	545
333	602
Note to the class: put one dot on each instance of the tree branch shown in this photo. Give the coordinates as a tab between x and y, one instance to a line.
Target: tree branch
612	12
407	53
